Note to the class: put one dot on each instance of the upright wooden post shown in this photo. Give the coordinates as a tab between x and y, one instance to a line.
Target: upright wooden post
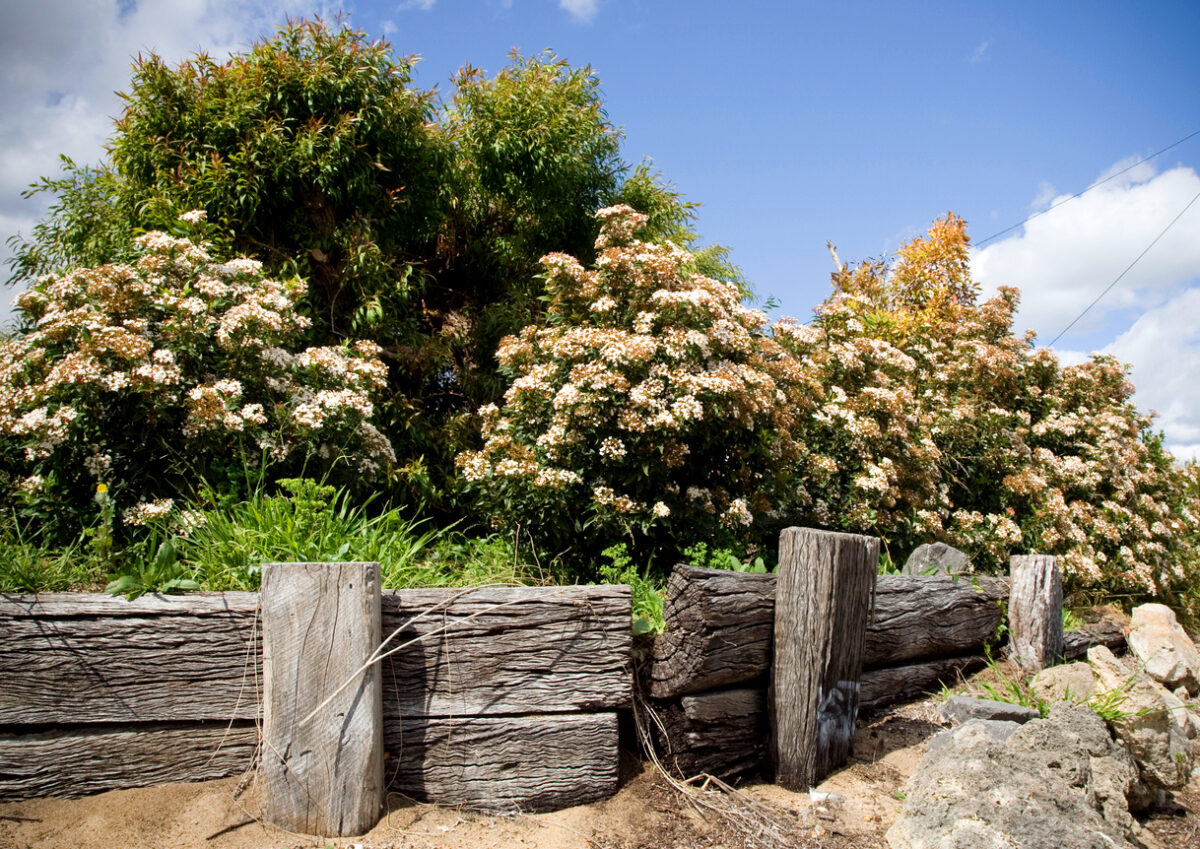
1035	632
323	773
826	583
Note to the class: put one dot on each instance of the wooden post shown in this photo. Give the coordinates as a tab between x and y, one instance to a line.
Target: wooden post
822	606
321	622
1035	632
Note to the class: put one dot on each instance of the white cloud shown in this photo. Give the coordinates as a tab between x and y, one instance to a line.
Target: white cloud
1066	257
421	5
1163	346
978	54
583	11
64	61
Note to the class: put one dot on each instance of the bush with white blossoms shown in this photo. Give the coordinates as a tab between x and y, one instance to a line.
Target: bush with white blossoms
650	404
179	371
999	448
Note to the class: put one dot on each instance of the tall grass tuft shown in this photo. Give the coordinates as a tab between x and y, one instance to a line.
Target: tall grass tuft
314	522
28	566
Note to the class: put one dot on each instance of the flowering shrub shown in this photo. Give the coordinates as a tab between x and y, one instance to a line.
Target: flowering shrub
146	376
995	446
650	403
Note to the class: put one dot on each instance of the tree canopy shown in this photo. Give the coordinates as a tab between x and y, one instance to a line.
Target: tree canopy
418	223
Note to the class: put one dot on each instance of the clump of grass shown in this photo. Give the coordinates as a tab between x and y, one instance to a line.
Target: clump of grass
1008	687
1071	620
29	566
314	522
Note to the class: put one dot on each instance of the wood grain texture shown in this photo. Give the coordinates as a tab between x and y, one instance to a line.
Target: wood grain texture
931	616
75	657
891	684
826	584
508	650
322	761
719	631
78	762
505	763
1107	632
721	733
1035	633
720	625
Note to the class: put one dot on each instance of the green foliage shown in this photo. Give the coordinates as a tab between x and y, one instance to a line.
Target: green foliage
1071	620
160	573
649	405
1013	689
314	522
311	151
699	555
648	594
930	420
886	565
137	384
29	566
416	224
1108	705
85	224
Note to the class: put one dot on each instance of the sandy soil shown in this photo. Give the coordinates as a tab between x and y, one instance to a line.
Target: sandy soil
850	810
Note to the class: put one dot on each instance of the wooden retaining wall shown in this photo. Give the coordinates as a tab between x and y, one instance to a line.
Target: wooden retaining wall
497	697
707	675
500	697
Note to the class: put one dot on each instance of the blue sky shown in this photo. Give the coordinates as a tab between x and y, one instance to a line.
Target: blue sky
792	123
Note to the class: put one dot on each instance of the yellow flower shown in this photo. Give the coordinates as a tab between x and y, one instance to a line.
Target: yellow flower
101	488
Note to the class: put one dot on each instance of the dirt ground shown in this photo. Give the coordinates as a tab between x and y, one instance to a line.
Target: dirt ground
852	809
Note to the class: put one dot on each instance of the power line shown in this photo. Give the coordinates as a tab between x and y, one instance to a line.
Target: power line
1085	191
1109	287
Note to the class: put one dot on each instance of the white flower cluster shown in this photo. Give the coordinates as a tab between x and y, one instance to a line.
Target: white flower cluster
207	348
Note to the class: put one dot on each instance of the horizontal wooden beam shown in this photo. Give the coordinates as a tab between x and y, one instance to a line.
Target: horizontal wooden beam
504	763
721	732
78	658
507	651
78	762
82	657
907	681
720	625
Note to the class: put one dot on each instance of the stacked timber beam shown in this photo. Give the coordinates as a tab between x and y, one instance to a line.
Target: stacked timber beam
102	693
495	697
506	698
708	673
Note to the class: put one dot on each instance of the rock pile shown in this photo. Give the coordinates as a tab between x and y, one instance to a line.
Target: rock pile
1117	739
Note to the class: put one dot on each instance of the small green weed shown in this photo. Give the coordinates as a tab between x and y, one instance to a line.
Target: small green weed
1010	689
723	558
647	593
161	573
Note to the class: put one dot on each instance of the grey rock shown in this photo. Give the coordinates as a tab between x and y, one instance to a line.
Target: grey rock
937	559
1070	682
960	709
1185	720
1145	726
1166	652
982	731
1116	783
1033	789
